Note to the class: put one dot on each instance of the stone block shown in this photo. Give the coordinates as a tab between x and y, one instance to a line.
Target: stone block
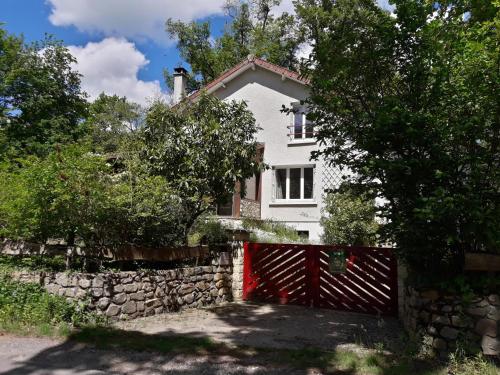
494	313
218	276
147	287
440	319
131	288
139	296
477	311
494	299
119	298
113	310
98	282
129	307
486	327
219	284
188	299
186	289
155	302
84	283
458	321
449	333
118	288
97	292
490	346
103	303
140	306
159	292
222	291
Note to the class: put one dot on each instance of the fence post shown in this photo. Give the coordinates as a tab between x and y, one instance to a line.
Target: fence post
247	269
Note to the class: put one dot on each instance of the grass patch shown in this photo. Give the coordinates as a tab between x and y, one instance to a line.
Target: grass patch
27	309
280	230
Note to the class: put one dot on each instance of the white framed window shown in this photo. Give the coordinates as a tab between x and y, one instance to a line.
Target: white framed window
293	183
301	129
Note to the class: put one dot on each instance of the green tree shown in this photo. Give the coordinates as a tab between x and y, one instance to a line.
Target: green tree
409	103
202	149
41	102
253	30
349	219
65	196
113	120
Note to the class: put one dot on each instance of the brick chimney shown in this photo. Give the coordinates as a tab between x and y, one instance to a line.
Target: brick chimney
180	80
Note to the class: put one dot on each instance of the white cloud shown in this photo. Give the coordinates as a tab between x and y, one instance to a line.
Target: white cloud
111	66
137	19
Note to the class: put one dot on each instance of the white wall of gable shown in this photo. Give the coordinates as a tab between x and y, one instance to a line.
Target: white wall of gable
265	93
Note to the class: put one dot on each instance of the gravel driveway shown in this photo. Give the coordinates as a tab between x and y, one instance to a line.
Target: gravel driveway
275	326
271	326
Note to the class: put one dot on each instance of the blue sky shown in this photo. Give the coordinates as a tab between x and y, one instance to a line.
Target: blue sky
97	36
120	45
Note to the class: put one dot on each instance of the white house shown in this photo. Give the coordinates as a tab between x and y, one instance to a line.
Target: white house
292	190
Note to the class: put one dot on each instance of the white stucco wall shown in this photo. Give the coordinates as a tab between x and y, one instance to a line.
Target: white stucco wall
265	93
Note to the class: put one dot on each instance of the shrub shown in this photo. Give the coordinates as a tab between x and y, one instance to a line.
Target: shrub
349	219
28	308
212	232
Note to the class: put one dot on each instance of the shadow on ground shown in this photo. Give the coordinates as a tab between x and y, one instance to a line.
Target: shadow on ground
222	340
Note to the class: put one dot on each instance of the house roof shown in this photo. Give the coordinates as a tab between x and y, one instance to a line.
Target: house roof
249	63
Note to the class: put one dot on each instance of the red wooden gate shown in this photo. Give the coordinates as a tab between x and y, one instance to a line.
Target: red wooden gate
364	280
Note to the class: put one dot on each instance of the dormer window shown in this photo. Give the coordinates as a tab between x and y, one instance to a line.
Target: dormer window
302	129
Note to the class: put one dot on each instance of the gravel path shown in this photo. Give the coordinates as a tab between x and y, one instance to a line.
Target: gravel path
275	326
268	326
41	356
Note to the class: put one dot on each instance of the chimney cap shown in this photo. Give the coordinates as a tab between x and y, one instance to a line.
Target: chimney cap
180	71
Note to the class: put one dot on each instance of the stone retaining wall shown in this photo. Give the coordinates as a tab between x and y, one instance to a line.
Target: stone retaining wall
127	295
441	322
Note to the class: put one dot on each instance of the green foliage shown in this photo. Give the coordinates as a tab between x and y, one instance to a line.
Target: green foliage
201	149
409	103
28	308
41	102
253	30
73	195
349	219
65	195
10	263
477	365
211	232
112	121
282	231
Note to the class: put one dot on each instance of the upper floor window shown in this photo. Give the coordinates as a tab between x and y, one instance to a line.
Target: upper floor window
302	127
294	183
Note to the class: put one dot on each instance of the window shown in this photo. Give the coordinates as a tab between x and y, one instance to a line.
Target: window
302	127
294	183
304	234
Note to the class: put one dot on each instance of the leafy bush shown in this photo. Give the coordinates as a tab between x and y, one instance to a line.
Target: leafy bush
35	262
210	231
65	195
28	308
349	219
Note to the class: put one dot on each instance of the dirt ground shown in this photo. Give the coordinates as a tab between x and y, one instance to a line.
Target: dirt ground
276	326
270	326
